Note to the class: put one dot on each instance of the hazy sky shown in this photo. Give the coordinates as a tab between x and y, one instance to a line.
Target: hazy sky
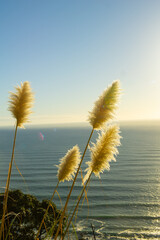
70	51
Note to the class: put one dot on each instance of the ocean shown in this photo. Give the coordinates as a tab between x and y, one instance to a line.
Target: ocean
123	204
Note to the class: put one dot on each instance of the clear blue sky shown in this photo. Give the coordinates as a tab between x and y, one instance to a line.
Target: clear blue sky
70	51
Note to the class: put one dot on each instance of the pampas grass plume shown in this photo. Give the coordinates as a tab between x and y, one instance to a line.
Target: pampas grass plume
69	164
103	151
104	108
21	102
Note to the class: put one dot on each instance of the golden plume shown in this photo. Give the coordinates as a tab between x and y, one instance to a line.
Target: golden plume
21	102
104	108
103	151
68	164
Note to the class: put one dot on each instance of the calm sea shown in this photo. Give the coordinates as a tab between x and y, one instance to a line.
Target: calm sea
123	204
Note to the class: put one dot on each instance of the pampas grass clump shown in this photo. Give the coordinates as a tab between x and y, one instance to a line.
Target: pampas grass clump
103	111
103	151
66	170
21	102
101	154
105	106
68	164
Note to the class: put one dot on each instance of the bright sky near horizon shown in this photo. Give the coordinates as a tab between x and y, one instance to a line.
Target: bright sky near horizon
70	51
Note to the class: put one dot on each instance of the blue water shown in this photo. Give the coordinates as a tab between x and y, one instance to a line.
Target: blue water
123	204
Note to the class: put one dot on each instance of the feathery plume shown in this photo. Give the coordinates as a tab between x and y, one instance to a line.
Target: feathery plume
21	102
69	164
103	151
105	106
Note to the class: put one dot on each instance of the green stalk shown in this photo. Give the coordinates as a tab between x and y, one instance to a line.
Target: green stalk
46	211
77	205
61	219
7	185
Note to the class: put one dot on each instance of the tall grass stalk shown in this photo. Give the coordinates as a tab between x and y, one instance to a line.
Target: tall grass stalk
7	184
16	215
66	170
19	105
76	207
68	197
46	211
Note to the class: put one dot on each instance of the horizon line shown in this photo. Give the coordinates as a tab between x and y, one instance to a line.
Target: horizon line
82	123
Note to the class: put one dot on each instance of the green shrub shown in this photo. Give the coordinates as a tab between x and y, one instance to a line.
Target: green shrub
27	212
